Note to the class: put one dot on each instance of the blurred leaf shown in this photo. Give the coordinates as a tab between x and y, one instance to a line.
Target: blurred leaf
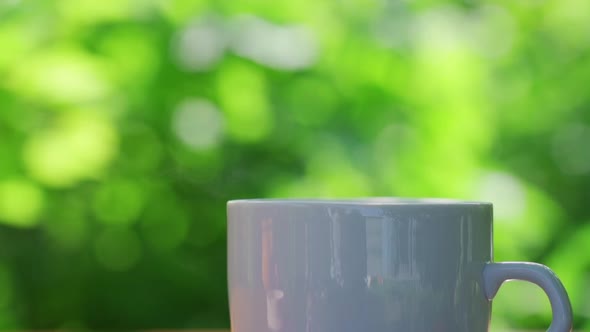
21	203
79	145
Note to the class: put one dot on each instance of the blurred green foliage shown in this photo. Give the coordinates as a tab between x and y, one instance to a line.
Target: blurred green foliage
125	125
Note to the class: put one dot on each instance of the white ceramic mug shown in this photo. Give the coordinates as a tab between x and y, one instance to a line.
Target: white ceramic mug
374	265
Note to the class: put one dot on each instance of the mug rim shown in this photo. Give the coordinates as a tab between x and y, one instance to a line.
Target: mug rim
360	201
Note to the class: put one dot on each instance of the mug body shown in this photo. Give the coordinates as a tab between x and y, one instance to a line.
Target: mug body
378	265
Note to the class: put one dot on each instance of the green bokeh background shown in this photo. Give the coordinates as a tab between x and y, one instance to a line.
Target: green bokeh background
125	125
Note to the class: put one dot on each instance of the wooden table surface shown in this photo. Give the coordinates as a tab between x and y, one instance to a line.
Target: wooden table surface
230	331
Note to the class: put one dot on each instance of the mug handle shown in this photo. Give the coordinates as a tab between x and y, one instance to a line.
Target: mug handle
494	274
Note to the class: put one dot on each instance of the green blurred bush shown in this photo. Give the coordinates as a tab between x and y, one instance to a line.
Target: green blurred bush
125	125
